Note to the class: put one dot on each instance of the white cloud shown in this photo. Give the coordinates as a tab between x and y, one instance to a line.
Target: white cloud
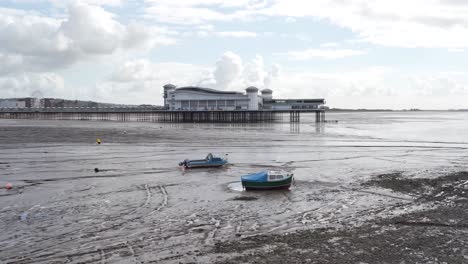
41	43
10	63
416	23
142	70
141	81
136	70
141	36
32	45
272	75
228	70
189	12
363	82
376	87
184	15
441	84
92	29
25	84
254	72
231	73
323	54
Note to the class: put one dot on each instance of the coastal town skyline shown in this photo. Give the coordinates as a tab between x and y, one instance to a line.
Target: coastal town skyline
355	55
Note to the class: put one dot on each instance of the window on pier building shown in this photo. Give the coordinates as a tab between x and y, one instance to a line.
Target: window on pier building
212	103
193	104
202	104
221	103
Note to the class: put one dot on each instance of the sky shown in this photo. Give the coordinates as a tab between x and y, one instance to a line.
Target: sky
354	53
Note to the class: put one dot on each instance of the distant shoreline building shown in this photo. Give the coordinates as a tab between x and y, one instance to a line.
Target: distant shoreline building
28	102
198	98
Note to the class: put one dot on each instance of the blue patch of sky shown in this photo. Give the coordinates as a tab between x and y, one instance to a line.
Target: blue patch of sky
38	6
128	11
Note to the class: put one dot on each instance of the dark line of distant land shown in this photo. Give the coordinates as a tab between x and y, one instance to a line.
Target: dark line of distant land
393	110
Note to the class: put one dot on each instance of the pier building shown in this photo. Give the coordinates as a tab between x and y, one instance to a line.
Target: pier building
185	104
204	99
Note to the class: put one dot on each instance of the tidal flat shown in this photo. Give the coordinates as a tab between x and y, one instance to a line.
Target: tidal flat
387	187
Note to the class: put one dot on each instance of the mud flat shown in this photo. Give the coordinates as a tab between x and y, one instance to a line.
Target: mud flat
372	185
436	234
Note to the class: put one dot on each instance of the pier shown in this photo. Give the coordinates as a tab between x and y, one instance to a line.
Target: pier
149	114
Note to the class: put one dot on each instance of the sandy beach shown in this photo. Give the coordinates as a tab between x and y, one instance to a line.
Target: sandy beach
372	188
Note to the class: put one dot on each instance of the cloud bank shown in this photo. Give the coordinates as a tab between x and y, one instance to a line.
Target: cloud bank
398	23
36	43
142	78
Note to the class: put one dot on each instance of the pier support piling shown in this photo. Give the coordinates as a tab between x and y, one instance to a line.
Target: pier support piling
124	115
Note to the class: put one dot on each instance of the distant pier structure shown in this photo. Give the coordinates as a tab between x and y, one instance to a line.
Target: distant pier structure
188	104
156	115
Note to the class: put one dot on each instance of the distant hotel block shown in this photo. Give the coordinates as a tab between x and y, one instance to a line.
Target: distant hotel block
197	98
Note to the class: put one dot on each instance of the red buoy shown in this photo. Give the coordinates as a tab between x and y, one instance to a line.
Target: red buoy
9	186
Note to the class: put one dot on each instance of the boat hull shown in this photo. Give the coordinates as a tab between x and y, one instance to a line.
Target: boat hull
209	161
192	166
284	184
203	164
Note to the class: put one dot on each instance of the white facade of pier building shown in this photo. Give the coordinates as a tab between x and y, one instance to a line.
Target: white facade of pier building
199	99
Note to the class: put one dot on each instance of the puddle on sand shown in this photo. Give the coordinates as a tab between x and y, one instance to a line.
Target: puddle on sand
235	186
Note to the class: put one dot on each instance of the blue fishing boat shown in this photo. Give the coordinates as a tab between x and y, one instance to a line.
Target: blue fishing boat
209	161
265	180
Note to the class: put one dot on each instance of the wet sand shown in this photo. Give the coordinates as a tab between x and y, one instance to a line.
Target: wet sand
437	232
140	207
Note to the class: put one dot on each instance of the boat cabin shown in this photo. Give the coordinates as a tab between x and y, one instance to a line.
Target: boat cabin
210	157
277	176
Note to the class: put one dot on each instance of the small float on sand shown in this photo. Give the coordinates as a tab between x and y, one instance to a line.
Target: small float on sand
209	161
266	180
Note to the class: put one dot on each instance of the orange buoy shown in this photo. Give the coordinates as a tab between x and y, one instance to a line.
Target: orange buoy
9	186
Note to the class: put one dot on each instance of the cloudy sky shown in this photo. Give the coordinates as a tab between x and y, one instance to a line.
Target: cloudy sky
355	53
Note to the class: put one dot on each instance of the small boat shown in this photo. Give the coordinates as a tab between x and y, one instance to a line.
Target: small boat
267	180
209	161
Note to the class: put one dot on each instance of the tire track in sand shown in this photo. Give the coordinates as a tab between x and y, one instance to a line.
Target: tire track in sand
103	252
